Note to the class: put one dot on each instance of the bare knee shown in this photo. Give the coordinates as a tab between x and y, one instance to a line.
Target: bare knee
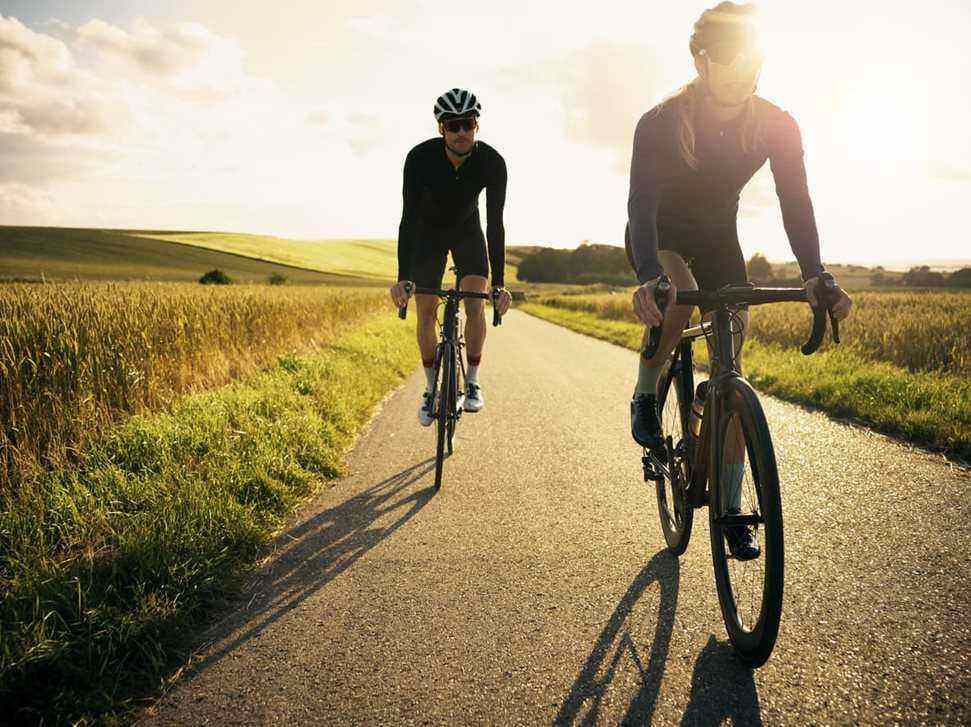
474	308
427	308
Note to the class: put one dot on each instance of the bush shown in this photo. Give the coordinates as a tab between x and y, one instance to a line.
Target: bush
584	265
215	277
278	279
759	269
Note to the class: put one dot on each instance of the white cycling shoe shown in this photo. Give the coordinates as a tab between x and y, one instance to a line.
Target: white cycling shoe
474	401
426	414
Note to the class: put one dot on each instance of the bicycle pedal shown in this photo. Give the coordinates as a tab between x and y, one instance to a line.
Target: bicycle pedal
650	473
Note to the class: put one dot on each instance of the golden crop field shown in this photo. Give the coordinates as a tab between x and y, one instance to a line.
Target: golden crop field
918	330
75	357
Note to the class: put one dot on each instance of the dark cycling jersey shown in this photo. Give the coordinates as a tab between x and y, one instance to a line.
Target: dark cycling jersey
672	206
442	202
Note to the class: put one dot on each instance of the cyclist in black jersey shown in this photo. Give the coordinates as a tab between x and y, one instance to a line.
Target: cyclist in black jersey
692	155
443	178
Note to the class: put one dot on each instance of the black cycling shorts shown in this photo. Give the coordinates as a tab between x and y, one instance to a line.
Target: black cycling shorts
469	254
714	263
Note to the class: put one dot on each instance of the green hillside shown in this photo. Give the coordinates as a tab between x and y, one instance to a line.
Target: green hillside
33	253
362	258
67	254
365	258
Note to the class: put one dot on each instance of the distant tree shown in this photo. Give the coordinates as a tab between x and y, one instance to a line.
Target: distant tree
922	277
215	277
759	269
960	277
277	279
587	264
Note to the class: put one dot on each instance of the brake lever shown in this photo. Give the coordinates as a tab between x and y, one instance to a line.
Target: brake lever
403	311
826	290
661	299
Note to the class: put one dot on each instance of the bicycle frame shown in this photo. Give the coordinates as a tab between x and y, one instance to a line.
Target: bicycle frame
449	363
450	335
720	329
722	365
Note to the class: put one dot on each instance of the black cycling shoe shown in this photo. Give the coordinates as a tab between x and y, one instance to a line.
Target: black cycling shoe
741	540
645	426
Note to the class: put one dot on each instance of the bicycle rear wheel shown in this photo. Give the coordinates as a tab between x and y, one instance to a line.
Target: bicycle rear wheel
749	592
446	362
674	510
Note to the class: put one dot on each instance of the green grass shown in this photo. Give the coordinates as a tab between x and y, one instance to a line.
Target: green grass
932	409
372	259
104	567
360	258
35	253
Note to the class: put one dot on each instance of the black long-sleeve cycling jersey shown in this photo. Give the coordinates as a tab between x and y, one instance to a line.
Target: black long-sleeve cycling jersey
441	202
672	204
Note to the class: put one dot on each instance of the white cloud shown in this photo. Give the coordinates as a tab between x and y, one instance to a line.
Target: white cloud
185	59
24	205
44	92
602	90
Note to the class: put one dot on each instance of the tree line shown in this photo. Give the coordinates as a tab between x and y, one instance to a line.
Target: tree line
607	264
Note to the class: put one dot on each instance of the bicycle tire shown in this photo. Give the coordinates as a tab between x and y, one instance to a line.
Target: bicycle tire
752	637
446	360
674	509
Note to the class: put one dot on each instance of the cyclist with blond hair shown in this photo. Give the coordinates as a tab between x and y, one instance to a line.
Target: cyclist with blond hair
692	155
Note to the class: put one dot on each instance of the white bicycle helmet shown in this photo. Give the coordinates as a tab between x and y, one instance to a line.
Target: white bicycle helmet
457	102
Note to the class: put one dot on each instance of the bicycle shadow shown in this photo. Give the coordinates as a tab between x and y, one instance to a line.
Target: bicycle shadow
310	555
582	706
722	689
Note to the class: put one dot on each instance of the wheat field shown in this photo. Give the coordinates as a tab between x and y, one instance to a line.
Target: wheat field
76	357
917	330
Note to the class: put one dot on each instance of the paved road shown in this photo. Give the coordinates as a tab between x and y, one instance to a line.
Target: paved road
535	587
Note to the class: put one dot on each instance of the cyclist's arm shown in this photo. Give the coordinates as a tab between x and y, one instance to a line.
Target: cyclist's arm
642	202
495	230
789	171
409	219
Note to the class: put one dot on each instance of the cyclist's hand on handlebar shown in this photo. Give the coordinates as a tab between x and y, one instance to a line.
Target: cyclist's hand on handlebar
645	307
504	300
399	292
841	304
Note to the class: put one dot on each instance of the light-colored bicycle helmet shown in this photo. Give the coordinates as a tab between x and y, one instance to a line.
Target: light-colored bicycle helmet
455	103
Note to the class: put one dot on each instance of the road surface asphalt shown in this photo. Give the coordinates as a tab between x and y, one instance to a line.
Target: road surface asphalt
535	587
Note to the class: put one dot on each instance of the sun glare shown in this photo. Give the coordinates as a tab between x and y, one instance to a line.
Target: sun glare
884	115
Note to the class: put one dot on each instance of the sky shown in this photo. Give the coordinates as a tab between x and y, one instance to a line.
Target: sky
294	118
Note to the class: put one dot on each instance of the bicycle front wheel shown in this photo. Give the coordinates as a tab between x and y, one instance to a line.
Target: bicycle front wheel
745	493
446	362
674	510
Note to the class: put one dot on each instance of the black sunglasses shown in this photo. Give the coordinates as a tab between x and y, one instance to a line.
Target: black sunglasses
454	126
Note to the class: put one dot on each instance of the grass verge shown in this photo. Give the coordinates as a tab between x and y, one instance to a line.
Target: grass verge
932	409
104	567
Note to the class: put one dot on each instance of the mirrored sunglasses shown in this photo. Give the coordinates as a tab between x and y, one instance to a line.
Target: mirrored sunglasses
454	126
733	55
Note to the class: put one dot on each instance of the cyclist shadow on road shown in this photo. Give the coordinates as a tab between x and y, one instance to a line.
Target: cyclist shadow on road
310	555
583	704
722	689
